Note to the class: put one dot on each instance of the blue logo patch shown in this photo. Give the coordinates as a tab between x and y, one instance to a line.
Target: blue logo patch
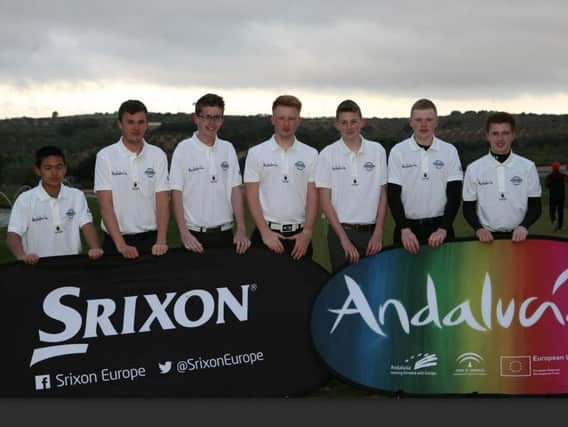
369	166
70	213
438	164
300	165
150	172
225	166
516	180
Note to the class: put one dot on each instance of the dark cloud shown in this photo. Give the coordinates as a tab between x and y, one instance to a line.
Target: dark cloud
460	48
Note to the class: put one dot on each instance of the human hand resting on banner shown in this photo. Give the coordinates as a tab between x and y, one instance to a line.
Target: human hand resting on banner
302	241
95	253
159	249
437	238
272	240
29	259
375	244
351	252
241	242
409	241
520	234
128	252
190	242
484	235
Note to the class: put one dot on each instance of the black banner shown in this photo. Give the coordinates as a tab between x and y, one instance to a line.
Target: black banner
216	324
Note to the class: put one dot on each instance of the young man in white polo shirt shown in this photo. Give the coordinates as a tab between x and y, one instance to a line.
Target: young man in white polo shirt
425	183
45	221
501	190
131	182
279	183
205	182
351	176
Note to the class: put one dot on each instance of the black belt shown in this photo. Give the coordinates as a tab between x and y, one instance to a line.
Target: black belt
358	227
426	221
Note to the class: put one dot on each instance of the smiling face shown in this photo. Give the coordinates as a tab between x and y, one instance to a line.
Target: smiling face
424	123
51	171
133	127
349	126
208	121
500	137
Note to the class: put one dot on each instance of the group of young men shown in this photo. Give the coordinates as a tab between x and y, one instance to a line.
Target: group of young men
286	182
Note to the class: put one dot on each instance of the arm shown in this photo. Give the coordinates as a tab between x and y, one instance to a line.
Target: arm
269	237
188	240
376	242
162	220
303	239
351	252
14	242
470	215
111	223
534	210
90	235
240	238
408	238
453	196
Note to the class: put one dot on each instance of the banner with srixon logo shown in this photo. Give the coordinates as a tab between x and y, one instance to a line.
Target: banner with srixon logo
215	324
464	318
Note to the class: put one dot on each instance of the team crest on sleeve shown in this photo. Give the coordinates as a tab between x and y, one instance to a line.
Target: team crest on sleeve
149	172
300	165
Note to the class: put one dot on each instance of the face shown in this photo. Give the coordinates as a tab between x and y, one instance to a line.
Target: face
349	125
208	122
285	121
500	137
133	127
51	171
424	123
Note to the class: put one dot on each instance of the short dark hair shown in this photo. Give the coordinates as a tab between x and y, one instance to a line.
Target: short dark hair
287	101
348	106
423	104
209	100
46	151
132	106
500	117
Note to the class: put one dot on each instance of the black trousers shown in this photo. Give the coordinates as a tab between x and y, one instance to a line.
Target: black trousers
422	228
214	240
141	241
256	241
556	208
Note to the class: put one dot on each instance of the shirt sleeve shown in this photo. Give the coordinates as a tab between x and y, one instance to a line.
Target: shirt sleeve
102	173
84	212
313	165
469	190
455	172
382	165
323	170
251	167
394	167
235	170
534	189
177	170
163	182
18	222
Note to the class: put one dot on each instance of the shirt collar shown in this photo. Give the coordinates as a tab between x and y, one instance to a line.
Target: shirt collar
275	147
125	152
201	145
43	195
415	147
507	163
346	150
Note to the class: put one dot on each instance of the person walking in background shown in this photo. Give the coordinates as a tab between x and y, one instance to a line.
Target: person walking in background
554	181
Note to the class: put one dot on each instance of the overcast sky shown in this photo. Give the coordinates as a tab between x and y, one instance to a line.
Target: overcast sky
88	56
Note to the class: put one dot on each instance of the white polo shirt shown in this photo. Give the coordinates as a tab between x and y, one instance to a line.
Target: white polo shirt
206	176
134	181
283	177
423	176
355	179
50	226
501	190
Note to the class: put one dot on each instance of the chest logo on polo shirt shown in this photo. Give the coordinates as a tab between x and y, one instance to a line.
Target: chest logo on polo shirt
516	180
270	165
39	218
195	169
438	164
486	182
119	172
300	165
408	165
70	213
225	165
149	172
338	168
369	166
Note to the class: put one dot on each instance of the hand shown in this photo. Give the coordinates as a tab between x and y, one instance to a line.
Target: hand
520	234
375	244
159	249
128	252
437	237
190	242
95	253
241	241
29	259
351	252
272	240
484	235
409	241
302	240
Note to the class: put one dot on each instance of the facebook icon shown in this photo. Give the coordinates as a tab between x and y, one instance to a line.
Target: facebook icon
42	382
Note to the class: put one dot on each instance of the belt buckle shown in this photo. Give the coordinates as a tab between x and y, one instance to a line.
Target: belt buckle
287	228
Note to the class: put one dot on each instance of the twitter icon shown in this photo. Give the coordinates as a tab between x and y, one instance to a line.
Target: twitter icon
165	367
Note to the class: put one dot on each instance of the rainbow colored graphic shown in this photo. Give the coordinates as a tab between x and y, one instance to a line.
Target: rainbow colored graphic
464	318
